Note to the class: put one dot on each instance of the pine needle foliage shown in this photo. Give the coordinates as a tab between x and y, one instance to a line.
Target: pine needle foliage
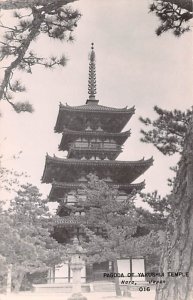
173	15
52	18
25	237
110	225
167	132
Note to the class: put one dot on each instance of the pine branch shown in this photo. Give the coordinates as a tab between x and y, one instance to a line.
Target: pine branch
185	4
51	19
19	4
167	132
173	14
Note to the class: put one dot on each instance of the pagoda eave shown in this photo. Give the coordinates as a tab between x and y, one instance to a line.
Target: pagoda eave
95	107
65	170
72	117
60	189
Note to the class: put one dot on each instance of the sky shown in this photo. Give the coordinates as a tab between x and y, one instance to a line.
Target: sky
134	67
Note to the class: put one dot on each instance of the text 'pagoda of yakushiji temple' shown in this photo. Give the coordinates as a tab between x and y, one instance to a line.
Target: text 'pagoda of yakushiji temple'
93	138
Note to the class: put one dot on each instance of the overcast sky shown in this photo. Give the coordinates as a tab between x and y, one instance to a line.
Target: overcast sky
134	68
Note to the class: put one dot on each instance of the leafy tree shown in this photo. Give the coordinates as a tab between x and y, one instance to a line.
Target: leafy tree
173	14
168	131
110	226
25	235
9	178
51	18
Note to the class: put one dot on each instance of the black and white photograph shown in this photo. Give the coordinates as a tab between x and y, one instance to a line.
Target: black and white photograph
96	149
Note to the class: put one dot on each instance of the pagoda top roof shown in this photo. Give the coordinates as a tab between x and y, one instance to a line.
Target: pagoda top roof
73	117
62	170
93	106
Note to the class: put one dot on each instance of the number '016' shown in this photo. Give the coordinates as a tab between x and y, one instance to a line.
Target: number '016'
144	289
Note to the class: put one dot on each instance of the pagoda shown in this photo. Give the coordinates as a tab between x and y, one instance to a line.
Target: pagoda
92	137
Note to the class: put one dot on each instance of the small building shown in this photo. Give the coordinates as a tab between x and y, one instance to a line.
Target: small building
93	138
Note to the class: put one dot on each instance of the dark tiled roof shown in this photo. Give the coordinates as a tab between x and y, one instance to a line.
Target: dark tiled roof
96	107
123	171
97	162
73	117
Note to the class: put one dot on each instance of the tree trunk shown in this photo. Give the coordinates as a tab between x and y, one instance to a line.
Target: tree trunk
117	286
18	282
177	254
19	4
9	279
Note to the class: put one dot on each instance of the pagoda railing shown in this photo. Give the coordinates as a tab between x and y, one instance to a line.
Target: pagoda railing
95	146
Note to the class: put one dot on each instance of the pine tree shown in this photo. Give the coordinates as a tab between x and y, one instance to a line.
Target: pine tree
177	253
19	4
51	18
110	226
173	14
168	131
25	235
172	133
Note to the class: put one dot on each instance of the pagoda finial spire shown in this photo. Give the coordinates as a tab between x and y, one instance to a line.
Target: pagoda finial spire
92	77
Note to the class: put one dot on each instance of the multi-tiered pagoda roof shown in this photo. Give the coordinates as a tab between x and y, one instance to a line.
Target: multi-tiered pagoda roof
93	138
74	117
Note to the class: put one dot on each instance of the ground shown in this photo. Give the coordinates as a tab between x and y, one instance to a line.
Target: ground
64	296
